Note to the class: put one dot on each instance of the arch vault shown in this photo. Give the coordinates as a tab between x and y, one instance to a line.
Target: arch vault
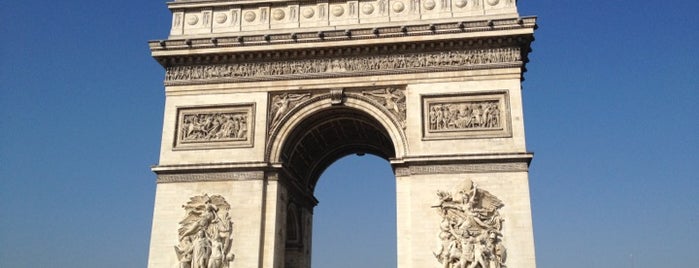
262	96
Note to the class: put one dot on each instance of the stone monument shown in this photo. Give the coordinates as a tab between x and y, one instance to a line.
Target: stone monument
263	95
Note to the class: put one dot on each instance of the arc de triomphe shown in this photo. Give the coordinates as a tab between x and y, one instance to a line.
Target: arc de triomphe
263	95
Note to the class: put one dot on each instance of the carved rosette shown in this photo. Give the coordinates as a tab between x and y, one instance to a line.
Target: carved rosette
471	229
391	98
205	233
226	126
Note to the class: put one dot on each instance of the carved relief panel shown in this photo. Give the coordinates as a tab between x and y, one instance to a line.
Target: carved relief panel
284	16
343	12
473	115
215	127
226	20
471	229
391	98
282	103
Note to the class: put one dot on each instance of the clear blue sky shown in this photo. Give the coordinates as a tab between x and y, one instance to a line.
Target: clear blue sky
611	113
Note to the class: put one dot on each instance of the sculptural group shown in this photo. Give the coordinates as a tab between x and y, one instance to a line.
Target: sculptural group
469	115
470	231
214	126
205	235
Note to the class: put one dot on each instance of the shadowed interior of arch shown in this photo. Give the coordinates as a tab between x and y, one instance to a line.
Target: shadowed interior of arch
328	135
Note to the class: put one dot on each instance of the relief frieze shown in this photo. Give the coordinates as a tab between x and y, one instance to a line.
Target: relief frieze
468	115
228	126
329	67
464	115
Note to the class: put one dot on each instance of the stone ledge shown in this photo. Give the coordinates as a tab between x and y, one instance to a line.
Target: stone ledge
210	176
454	164
168	169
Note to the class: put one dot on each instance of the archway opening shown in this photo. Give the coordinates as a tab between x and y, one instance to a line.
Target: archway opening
361	224
355	222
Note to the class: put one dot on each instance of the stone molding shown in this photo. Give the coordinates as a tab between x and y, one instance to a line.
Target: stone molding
462	168
211	17
210	176
456	164
211	127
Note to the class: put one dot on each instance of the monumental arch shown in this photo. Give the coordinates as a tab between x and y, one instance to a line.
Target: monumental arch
263	95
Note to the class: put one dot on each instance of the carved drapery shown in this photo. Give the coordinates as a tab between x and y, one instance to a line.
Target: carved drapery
227	126
471	229
348	66
205	233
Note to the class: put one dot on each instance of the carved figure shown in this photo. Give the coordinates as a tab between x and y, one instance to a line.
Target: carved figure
184	252
470	229
205	234
202	251
216	260
281	104
393	99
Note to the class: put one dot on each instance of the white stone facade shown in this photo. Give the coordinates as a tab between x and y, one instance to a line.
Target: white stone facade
252	88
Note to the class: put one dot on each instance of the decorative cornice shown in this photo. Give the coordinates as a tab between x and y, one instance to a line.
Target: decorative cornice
454	164
462	168
210	176
211	167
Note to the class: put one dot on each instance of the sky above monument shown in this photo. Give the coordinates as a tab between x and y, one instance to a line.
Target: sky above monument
611	112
